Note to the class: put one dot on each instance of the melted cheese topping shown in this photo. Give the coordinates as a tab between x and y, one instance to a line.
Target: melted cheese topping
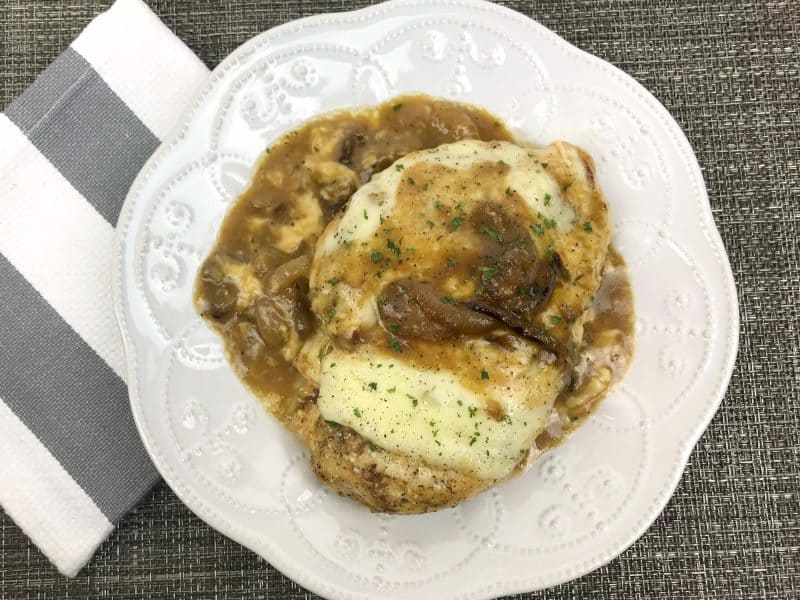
471	405
433	415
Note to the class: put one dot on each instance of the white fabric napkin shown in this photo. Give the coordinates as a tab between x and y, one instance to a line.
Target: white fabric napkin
71	462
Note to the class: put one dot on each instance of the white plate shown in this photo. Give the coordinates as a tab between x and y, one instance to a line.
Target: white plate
233	465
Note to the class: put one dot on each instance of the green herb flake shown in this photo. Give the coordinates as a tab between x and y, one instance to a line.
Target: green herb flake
331	314
381	299
451	262
268	150
492	233
395	248
376	256
430	223
334	281
398	106
509	191
456	223
373	386
411	181
357	412
587	226
437	205
398	167
460	402
547	199
392	389
537	229
544	165
472	411
448	300
395	345
393	328
501	162
334	424
555	319
488	272
425	187
366	216
550	223
484	375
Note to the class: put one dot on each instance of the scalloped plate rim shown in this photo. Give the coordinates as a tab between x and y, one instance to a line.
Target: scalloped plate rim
284	562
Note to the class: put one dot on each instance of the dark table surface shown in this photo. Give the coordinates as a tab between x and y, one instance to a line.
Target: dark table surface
728	72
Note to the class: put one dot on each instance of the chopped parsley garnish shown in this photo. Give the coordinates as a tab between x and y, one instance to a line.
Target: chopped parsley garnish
334	424
537	229
373	385
366	216
268	150
398	167
587	226
456	223
472	411
550	254
488	272
544	165
484	375
392	390
437	205
460	207
414	401
395	345
398	106
492	233
451	262
376	256
509	191
430	223
501	162
381	299
393	247
547	199
334	280
411	181
550	223
425	187
459	402
448	300
393	328
331	313
357	412
555	319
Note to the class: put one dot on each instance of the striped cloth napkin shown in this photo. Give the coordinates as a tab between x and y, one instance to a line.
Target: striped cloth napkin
71	462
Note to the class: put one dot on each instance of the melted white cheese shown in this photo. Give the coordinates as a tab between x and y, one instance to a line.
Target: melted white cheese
431	415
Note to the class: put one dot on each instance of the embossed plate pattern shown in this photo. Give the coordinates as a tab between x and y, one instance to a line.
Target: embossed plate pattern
580	505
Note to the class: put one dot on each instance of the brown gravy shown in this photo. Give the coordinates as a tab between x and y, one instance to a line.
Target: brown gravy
268	237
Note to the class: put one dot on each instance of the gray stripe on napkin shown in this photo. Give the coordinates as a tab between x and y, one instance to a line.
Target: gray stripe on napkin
69	398
89	134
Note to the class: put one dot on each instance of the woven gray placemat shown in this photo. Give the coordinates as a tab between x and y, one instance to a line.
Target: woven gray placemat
729	73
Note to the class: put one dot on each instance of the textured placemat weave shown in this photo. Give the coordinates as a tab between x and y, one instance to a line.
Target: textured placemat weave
730	74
